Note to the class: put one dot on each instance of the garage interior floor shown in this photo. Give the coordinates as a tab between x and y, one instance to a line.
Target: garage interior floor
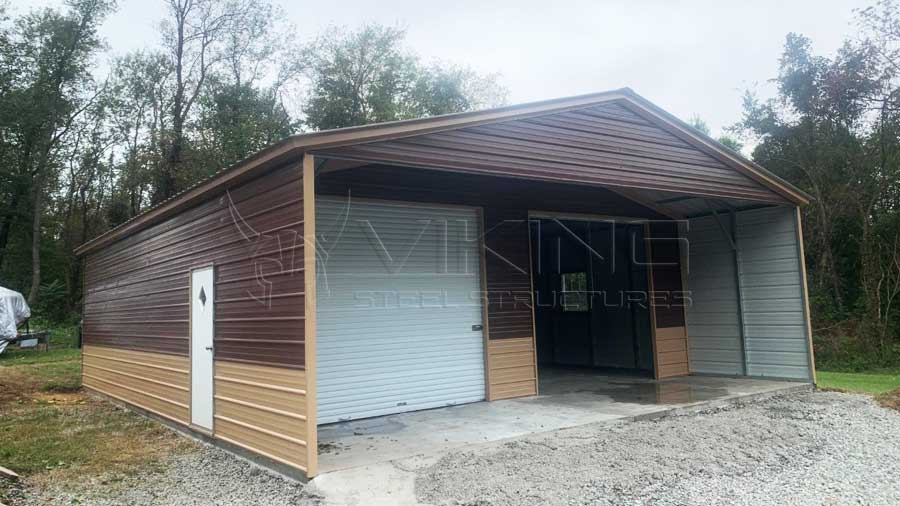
568	398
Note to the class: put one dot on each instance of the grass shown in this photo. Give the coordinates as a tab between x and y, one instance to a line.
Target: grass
52	431
883	384
874	383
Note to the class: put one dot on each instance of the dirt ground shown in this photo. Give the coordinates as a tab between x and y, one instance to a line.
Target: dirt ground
55	433
890	399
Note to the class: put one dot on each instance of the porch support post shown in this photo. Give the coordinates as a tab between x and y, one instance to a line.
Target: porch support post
309	296
738	283
648	254
684	259
733	242
485	302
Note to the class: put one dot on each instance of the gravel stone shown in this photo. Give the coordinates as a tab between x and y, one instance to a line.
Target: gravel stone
798	449
207	477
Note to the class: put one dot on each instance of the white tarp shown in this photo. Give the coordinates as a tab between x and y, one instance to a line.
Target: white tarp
13	311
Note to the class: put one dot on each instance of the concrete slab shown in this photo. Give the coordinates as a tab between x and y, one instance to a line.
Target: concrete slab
568	399
384	484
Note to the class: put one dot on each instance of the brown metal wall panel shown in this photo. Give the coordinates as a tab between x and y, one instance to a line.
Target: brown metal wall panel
603	145
508	272
414	185
667	283
137	289
618	121
172	230
613	110
670	332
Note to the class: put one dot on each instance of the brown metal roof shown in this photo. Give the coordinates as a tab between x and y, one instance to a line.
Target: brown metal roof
606	145
503	146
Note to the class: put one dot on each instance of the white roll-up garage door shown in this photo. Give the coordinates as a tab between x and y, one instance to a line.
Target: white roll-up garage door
399	311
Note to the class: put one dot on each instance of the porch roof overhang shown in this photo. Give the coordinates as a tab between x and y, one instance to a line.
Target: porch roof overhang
615	139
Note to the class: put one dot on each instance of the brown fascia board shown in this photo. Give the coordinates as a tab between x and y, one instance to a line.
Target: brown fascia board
291	149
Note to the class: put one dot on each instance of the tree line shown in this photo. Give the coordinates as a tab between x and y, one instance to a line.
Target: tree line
833	130
83	150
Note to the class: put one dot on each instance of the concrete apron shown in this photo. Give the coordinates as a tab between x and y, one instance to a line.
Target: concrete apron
375	461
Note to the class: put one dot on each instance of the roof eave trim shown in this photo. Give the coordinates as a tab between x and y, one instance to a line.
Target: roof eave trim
345	136
277	154
294	146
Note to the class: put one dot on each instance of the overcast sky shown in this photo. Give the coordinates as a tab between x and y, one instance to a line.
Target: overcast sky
688	57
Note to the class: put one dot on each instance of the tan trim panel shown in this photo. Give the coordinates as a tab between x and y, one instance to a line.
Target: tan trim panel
156	382
259	408
671	353
511	363
262	409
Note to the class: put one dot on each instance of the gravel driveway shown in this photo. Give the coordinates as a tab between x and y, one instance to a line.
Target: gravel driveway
807	448
207	477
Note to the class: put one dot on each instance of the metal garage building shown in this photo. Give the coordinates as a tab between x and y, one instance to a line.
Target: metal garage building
457	259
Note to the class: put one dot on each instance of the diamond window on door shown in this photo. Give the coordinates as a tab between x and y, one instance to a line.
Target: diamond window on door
202	298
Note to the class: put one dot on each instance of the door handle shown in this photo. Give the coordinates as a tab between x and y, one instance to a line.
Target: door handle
477	327
209	348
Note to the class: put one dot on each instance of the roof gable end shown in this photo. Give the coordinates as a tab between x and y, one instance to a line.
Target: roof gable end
607	143
619	125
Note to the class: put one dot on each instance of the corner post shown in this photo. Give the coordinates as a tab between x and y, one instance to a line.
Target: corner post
800	252
309	296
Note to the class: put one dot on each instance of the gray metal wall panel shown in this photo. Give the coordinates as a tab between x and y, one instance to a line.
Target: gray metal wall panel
770	270
712	318
398	291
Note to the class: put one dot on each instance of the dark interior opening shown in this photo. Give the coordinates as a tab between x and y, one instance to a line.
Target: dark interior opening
590	283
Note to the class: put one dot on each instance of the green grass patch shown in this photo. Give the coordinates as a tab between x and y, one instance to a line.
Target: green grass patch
874	382
58	376
28	356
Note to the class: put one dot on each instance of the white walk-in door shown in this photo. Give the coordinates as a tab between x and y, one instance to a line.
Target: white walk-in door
202	294
399	318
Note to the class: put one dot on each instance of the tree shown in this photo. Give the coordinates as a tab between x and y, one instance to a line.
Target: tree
367	76
82	153
50	53
236	121
833	131
139	104
237	115
726	140
11	181
86	183
196	34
